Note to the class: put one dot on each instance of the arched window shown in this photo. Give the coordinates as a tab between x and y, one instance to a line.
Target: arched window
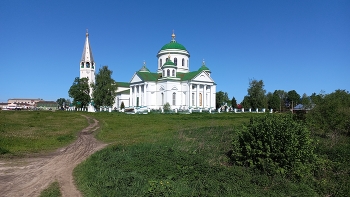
183	62
175	61
87	64
173	73
174	98
93	67
160	63
168	73
163	73
82	65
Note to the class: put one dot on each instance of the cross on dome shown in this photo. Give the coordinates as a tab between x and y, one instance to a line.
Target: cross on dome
173	36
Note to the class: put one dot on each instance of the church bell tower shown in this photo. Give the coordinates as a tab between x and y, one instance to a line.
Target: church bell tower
87	67
87	63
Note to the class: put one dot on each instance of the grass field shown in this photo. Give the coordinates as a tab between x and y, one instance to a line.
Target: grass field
27	132
170	155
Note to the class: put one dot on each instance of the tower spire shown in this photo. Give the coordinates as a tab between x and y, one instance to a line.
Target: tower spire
87	52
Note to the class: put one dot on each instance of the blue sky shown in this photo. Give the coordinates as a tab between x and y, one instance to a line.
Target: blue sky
290	45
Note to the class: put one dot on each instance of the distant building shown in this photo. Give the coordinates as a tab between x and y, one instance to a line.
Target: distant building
28	103
47	105
22	103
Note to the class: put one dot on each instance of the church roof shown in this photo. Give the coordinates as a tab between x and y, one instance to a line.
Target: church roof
204	67
124	92
122	84
169	64
173	45
148	76
87	52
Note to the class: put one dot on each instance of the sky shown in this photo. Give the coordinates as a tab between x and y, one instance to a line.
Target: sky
301	45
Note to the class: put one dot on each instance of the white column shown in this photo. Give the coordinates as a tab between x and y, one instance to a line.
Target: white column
144	95
135	94
190	95
131	95
197	99
209	97
204	95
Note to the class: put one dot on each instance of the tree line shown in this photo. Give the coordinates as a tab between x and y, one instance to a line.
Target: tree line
256	97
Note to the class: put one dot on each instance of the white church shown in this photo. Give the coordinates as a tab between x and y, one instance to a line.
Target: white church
172	83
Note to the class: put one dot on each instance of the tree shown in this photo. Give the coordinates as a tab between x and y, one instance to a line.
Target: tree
221	98
234	102
68	102
273	101
305	101
246	102
316	98
61	102
293	98
122	106
275	144
104	89
80	92
283	96
332	113
256	93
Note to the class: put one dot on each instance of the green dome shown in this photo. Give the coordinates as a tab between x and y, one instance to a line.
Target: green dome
173	45
169	64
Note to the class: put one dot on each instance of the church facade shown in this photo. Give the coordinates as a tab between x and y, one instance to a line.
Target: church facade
172	83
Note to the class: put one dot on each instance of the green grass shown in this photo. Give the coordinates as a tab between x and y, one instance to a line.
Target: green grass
27	132
52	191
186	155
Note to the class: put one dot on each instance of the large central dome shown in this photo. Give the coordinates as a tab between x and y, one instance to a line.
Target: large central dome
173	45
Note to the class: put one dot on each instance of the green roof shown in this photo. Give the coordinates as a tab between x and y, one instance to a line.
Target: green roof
173	45
203	67
148	76
124	92
144	69
122	84
188	76
169	64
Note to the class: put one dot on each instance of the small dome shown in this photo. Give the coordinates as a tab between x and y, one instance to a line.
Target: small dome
204	67
169	64
144	68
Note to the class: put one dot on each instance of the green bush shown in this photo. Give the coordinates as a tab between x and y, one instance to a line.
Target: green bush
331	115
166	107
122	106
275	144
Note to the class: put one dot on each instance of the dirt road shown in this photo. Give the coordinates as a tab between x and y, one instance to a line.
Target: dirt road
29	176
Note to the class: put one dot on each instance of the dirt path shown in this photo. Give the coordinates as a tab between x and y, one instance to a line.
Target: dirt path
29	176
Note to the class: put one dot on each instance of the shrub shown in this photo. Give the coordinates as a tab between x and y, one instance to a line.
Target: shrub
275	144
122	106
331	114
166	107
